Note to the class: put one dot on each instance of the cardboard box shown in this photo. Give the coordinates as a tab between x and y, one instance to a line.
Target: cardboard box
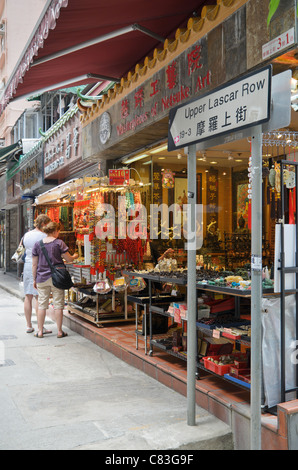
218	346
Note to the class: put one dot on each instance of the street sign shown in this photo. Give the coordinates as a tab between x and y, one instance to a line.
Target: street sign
230	108
280	115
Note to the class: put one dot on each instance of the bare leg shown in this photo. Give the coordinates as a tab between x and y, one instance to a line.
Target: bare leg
45	330
36	304
28	310
40	321
59	320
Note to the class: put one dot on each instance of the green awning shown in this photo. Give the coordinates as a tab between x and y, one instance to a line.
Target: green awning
73	90
6	152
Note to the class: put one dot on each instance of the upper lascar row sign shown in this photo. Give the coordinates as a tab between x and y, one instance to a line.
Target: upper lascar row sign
230	108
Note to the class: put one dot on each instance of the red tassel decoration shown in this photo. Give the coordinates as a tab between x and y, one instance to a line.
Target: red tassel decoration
249	214
291	208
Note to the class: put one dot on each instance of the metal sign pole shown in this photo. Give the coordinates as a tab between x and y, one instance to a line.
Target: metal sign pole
256	288
191	287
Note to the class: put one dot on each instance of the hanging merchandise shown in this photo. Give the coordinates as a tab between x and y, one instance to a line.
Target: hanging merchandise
53	213
83	218
249	194
272	192
277	189
272	176
289	177
168	180
290	183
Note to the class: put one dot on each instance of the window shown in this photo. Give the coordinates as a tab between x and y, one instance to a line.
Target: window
27	126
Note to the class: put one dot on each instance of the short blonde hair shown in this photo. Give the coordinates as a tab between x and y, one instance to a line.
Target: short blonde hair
41	220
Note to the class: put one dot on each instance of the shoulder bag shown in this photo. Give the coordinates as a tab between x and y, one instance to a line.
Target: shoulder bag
20	253
60	276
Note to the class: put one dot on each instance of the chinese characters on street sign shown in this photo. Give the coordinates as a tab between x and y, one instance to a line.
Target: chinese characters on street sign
243	103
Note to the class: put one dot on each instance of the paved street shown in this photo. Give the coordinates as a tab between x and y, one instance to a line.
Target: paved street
70	394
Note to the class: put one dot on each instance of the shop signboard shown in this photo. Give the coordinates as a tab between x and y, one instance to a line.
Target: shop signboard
187	75
119	177
63	150
241	104
31	174
13	192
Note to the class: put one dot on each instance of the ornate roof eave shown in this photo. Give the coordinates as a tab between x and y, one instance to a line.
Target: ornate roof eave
211	16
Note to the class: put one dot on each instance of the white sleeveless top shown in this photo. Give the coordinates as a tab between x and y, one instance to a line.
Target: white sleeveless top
30	238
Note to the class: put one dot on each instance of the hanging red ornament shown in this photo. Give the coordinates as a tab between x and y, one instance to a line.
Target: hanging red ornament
249	195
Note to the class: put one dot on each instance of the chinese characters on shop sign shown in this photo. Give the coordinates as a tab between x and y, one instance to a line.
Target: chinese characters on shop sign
180	80
62	151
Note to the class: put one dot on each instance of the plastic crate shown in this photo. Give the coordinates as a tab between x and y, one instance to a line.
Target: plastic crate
219	369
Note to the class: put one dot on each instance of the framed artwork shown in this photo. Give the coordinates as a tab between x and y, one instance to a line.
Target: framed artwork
240	200
242	204
180	194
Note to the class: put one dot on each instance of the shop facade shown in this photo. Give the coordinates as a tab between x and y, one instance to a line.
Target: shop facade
53	159
109	167
129	127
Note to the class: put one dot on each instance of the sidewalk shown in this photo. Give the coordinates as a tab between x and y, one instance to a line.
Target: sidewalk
72	394
11	284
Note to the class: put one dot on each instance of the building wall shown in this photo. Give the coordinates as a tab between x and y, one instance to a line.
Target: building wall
11	239
19	18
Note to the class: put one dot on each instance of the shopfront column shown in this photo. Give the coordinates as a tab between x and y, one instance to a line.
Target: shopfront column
191	286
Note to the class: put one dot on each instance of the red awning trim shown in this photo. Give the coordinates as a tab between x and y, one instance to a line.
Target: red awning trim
48	22
76	45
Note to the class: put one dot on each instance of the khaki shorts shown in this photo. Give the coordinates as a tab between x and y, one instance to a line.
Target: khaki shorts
44	291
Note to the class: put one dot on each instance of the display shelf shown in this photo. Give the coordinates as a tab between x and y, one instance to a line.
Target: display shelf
157	277
219	324
179	355
165	345
239	382
98	318
96	315
174	279
144	301
85	290
225	377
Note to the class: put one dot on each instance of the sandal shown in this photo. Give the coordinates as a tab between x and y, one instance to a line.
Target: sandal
30	330
46	332
37	335
63	335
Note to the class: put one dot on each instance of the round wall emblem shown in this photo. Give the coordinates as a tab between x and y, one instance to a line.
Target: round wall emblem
105	128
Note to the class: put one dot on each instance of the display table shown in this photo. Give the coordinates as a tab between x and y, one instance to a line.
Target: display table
89	304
